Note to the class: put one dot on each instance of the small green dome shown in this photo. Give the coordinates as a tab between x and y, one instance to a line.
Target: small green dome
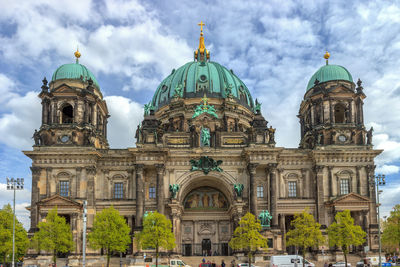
74	71
202	77
330	73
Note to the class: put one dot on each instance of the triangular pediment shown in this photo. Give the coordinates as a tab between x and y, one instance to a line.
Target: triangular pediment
59	201
352	197
351	201
64	88
342	89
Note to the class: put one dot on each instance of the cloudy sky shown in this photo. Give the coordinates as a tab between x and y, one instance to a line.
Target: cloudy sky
130	46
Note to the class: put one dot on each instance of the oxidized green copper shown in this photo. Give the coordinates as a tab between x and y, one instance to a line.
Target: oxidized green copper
74	71
238	189
330	73
206	165
258	106
205	137
265	218
173	189
178	91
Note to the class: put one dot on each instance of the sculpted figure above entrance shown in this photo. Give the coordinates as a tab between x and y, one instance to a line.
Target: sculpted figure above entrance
205	198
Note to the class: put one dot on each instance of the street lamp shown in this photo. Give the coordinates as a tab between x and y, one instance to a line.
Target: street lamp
14	184
378	180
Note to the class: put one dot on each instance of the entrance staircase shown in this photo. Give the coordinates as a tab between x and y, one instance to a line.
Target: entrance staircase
194	261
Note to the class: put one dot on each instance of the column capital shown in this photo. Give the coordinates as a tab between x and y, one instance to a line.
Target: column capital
78	169
304	171
319	168
90	169
251	167
160	168
358	167
35	170
271	167
139	168
330	168
49	169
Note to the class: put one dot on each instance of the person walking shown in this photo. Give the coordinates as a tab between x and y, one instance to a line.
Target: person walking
222	263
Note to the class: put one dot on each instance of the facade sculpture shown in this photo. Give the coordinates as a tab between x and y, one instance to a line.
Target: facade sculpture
204	145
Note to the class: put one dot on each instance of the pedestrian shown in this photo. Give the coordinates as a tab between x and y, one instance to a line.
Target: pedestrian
233	263
222	263
326	264
213	264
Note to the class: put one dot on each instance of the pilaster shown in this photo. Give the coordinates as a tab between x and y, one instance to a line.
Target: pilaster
139	194
251	167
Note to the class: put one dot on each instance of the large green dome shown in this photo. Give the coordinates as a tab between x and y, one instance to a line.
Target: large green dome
74	71
330	73
202	77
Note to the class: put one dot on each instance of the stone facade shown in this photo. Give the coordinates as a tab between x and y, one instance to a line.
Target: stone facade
204	162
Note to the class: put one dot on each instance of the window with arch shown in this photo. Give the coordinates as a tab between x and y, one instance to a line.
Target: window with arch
260	191
118	190
67	114
344	179
64	188
340	113
344	186
292	189
152	192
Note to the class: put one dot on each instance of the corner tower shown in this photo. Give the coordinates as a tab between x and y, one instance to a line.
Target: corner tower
331	112
73	110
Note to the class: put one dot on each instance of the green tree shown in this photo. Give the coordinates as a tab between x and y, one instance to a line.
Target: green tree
156	233
247	236
54	235
343	233
6	231
110	232
391	230
305	232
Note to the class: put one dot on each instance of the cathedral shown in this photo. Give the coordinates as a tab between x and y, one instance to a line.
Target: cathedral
204	156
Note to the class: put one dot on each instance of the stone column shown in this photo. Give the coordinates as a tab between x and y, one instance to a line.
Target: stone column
78	182
251	167
283	229
331	182
90	172
131	183
305	188
139	194
160	187
358	179
176	225
34	197
48	178
272	175
312	114
320	194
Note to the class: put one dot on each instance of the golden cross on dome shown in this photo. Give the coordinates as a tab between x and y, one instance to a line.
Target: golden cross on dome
201	24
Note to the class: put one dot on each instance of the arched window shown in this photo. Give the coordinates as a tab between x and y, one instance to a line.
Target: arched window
67	114
340	113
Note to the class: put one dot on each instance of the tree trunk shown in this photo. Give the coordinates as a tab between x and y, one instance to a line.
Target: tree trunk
108	257
55	257
157	256
345	258
249	258
304	256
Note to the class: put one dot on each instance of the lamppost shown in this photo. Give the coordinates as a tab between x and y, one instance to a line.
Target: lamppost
14	184
378	180
84	233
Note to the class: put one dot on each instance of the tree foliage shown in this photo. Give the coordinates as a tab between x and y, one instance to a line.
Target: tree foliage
391	230
343	233
305	232
54	235
247	236
6	232
110	232
156	233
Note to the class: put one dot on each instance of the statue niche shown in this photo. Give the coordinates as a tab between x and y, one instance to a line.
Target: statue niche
205	198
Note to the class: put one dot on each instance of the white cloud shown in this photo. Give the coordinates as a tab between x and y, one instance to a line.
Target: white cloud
125	116
22	117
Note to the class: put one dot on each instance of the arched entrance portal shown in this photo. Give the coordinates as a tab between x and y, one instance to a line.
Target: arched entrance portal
206	223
